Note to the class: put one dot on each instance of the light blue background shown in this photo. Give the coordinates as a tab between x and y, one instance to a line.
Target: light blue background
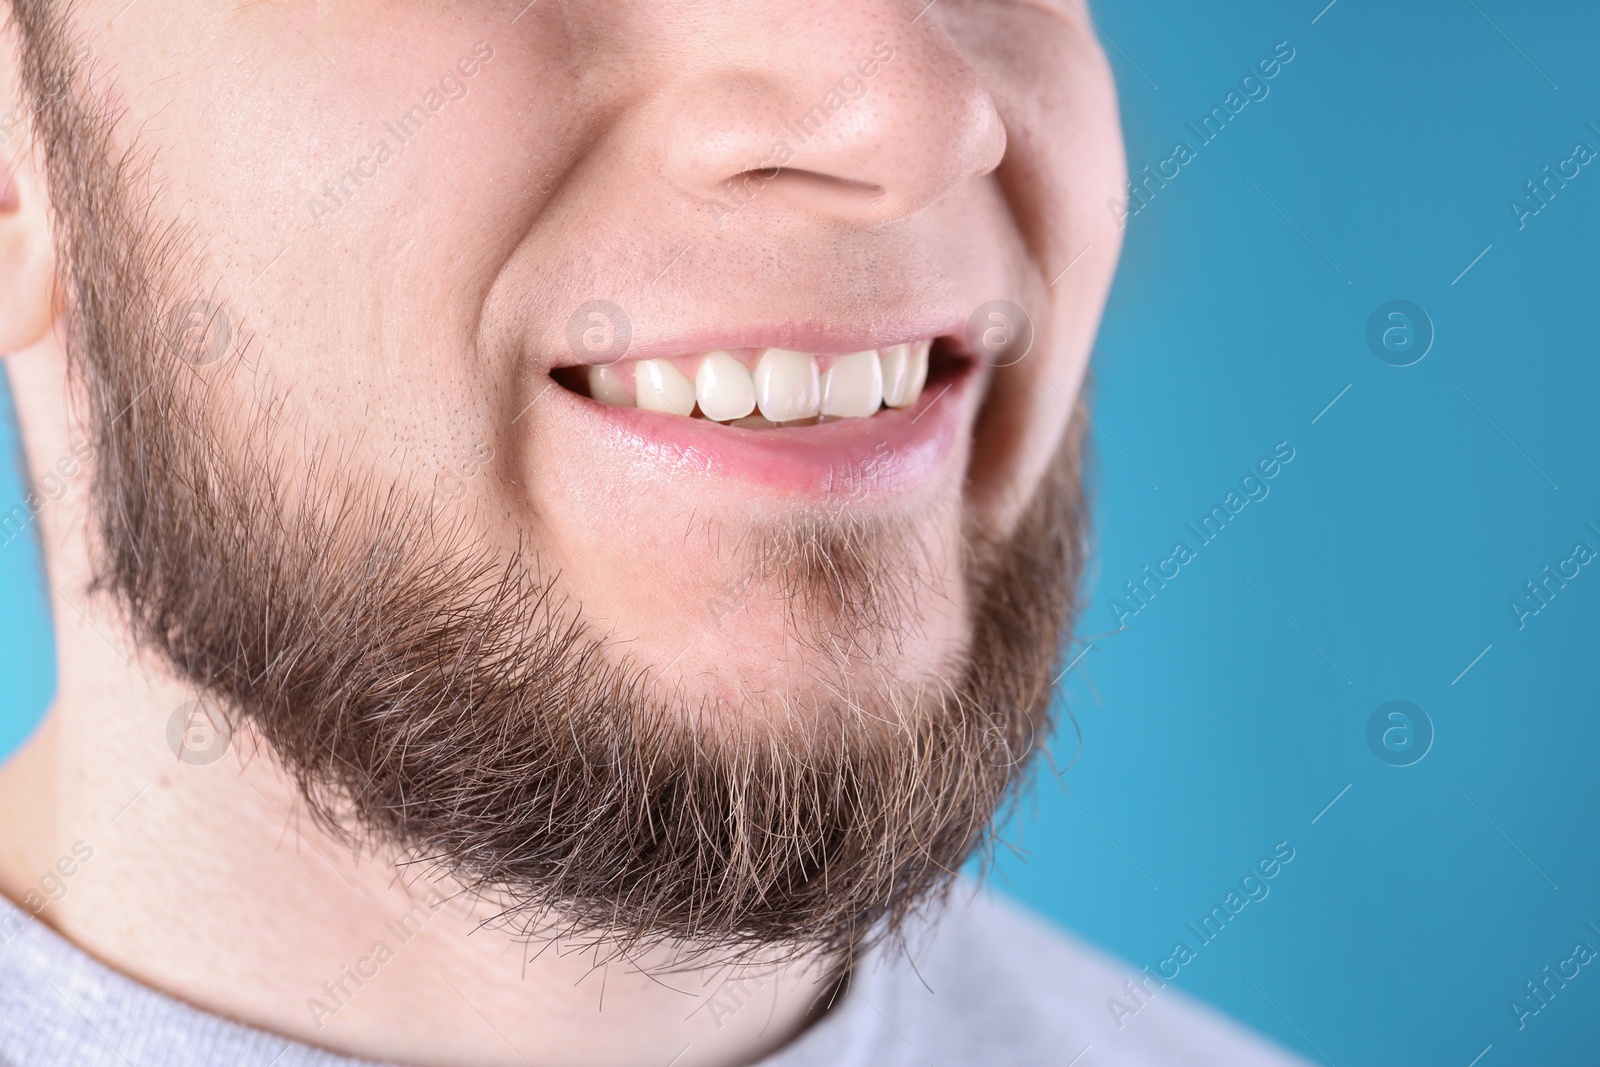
1232	710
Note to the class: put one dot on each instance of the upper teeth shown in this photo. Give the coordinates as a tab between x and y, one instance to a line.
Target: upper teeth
853	387
723	388
784	386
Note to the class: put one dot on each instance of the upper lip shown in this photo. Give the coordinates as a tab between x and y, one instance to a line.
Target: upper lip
818	338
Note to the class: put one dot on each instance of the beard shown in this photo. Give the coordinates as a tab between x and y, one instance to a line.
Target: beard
436	699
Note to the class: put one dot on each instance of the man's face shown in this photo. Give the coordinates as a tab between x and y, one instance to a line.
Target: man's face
487	269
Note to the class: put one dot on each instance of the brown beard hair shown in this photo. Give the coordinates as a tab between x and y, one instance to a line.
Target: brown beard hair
439	701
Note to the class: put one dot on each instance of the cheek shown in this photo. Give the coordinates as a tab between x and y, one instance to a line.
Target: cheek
310	178
1064	164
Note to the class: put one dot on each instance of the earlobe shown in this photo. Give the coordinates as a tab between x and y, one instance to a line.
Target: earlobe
27	251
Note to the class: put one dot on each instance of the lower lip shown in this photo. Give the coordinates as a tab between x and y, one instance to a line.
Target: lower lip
892	451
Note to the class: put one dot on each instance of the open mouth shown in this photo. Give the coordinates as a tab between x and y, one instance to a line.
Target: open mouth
770	388
823	425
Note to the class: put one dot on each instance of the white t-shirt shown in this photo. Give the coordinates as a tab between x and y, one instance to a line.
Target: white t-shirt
988	986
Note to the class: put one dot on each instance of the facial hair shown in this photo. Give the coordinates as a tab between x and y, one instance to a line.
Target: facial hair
437	701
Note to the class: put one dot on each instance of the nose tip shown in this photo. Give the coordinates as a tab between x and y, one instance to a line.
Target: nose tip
867	137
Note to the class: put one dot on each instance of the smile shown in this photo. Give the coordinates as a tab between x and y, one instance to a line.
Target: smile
814	423
762	388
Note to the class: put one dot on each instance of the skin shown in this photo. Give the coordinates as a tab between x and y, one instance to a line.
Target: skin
416	324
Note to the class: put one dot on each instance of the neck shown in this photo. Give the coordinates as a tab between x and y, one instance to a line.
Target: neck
205	881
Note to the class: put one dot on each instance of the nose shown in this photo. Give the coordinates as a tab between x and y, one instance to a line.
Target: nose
847	110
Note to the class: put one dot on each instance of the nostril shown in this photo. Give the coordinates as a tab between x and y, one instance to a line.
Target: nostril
808	188
801	176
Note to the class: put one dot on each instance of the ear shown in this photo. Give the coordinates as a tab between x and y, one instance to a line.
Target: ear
27	248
